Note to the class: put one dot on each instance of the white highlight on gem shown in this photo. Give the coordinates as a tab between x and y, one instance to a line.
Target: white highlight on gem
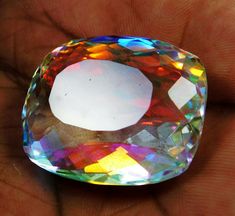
36	148
132	173
57	49
100	95
144	136
182	92
185	130
45	164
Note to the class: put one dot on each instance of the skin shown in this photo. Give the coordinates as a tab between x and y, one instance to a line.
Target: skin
32	28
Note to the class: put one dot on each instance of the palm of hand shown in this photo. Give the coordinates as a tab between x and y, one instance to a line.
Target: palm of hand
32	28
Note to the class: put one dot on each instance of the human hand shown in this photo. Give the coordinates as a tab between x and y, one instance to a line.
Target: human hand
32	28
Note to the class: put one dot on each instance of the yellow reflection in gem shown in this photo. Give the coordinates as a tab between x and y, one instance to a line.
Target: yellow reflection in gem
65	51
72	43
178	65
100	183
97	48
112	162
103	54
196	71
174	151
94	168
181	55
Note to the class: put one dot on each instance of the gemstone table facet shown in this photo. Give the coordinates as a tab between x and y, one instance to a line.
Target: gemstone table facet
115	110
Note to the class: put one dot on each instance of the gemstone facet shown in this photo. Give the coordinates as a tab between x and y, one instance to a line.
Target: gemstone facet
115	110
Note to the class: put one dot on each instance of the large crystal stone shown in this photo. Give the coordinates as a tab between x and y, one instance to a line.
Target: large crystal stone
115	110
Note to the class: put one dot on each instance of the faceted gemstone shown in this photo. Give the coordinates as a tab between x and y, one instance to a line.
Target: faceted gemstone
115	110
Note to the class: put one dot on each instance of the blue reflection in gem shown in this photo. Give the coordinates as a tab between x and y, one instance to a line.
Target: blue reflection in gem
23	116
203	90
25	133
136	44
104	39
36	149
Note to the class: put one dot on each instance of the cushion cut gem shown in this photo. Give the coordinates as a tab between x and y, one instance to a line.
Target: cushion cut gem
115	110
